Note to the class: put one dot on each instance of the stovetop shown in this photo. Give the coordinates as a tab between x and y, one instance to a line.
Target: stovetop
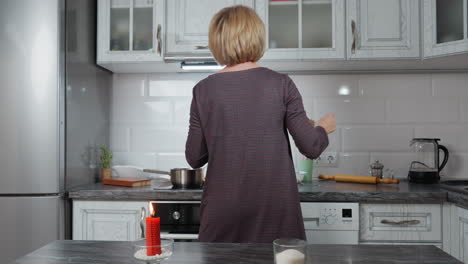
455	185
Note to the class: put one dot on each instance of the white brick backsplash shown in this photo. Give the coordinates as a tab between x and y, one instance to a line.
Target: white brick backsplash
182	112
348	163
309	107
450	84
141	112
120	138
170	87
464	109
419	110
128	86
334	141
326	85
167	161
174	84
159	112
158	140
404	85
376	138
455	138
352	110
139	159
457	167
376	120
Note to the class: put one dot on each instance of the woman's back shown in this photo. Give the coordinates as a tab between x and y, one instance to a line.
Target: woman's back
239	123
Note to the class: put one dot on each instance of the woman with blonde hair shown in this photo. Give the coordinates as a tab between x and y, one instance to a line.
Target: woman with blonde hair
239	123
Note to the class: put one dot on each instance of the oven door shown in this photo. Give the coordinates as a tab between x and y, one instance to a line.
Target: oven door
180	220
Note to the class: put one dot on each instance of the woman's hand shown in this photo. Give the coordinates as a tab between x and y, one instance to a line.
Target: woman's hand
328	123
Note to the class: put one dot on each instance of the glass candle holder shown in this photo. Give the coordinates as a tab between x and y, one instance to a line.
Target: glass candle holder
289	251
140	251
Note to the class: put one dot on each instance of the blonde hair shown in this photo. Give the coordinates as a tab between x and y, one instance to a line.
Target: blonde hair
237	35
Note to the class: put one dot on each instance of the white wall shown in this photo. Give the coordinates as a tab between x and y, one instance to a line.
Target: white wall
381	114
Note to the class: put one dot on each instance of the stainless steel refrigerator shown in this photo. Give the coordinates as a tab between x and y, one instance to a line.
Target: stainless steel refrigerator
46	58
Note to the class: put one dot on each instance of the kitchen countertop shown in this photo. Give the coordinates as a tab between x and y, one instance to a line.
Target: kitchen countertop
318	191
67	251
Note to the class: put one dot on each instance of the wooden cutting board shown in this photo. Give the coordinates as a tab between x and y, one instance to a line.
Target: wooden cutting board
128	182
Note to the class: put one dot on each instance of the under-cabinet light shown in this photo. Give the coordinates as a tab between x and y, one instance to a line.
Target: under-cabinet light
200	66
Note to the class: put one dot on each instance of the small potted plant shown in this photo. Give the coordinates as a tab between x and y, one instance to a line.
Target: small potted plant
105	161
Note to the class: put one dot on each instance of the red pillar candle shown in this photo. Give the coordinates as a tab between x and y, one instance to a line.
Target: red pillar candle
153	233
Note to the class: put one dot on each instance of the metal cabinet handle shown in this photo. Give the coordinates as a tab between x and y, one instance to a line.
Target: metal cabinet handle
201	47
142	221
400	223
353	31
158	38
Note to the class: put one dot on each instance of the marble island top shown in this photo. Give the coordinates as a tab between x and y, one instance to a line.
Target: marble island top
318	191
59	252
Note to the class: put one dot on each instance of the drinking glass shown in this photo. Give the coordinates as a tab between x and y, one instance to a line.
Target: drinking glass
289	251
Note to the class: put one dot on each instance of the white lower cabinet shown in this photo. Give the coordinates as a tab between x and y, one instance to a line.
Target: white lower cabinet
459	233
107	220
401	223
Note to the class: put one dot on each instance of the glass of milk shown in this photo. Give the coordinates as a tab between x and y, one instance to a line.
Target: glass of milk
289	251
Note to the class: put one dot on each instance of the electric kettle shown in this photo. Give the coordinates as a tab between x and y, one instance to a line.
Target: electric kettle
426	167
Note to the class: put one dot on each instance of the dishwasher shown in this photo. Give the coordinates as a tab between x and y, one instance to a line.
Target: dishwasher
331	223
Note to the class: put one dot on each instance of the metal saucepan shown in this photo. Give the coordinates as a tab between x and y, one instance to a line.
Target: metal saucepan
183	178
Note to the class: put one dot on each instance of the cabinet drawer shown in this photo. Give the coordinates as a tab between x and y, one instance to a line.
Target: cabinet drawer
401	222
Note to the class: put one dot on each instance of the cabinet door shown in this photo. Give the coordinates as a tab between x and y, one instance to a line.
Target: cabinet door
130	30
304	29
459	233
383	29
100	220
445	27
188	22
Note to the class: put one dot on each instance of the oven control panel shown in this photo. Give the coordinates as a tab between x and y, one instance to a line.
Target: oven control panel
333	216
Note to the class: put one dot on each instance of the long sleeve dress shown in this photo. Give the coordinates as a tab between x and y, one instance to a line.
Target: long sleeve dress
239	123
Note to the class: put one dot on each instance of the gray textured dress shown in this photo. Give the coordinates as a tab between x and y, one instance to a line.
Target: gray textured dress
239	123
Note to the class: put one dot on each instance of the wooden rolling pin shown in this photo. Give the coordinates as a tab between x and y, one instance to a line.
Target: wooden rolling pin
357	179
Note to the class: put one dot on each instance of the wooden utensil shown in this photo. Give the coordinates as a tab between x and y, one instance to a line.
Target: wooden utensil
128	182
357	179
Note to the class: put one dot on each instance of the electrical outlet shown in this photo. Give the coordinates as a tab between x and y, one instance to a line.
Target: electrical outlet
327	159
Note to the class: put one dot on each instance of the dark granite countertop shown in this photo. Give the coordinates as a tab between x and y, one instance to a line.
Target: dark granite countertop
98	252
99	191
318	191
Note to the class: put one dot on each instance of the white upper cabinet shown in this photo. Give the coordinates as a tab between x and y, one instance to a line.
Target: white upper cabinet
445	27
383	29
188	22
130	31
303	29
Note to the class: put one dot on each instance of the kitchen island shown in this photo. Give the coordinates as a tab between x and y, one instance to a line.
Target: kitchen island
98	252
